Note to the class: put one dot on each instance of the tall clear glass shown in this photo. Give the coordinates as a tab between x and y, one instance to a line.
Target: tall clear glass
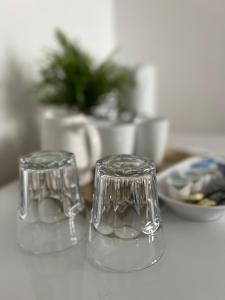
125	230
50	216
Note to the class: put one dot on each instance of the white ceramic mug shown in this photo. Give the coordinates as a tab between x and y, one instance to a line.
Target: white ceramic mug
151	137
116	138
73	133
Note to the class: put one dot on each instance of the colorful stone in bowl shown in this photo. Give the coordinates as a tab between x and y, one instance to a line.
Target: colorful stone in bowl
202	203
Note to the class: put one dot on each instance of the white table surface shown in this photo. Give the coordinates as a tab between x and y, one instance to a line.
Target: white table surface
193	266
199	143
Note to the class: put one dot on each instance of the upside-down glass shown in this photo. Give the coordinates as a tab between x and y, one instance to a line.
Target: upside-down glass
50	217
125	231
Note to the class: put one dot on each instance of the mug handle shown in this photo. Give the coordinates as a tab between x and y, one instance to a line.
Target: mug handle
94	142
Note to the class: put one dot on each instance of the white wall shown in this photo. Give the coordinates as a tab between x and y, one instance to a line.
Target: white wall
27	25
185	40
26	30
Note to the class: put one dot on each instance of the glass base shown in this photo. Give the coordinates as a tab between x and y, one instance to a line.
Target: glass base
124	255
40	237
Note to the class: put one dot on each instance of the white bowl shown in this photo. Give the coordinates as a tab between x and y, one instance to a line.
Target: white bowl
188	211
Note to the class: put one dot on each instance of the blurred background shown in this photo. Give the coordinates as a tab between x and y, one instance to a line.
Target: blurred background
182	40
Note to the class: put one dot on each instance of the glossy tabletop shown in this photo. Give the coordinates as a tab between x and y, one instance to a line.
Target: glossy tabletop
193	266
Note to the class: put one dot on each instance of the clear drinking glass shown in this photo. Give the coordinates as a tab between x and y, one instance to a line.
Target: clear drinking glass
51	213
125	231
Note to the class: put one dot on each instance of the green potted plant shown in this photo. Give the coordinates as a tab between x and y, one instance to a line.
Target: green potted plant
70	78
74	85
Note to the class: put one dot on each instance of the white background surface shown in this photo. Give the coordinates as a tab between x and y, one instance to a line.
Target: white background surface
27	26
193	266
184	41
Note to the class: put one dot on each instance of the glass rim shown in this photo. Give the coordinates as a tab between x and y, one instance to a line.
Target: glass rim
125	166
46	159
